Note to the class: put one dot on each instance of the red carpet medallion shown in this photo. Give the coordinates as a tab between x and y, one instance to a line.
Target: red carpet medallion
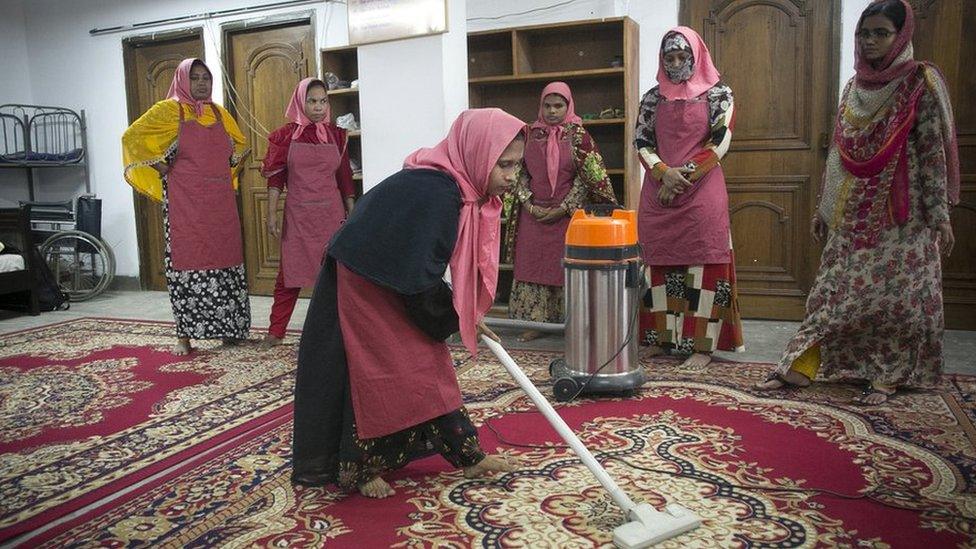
702	439
88	407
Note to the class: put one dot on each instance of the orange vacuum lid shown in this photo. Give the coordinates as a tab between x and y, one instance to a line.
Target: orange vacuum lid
593	231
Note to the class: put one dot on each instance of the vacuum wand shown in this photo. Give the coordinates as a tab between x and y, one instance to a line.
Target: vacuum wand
647	525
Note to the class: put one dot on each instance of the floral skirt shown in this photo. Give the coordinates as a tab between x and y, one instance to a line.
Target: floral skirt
536	302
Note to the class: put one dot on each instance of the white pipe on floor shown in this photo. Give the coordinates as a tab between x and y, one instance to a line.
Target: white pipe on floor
550	327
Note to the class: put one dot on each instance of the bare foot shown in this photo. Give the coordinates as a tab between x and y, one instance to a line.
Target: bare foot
376	488
697	360
182	347
649	352
270	341
792	378
490	464
529	335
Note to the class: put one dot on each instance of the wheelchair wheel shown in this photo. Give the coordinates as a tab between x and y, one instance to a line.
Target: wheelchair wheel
82	264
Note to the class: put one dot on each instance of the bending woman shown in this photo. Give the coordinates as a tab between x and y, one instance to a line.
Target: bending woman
376	386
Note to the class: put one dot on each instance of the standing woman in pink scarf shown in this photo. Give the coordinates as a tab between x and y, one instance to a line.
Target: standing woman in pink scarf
376	386
308	156
875	310
184	152
684	129
563	170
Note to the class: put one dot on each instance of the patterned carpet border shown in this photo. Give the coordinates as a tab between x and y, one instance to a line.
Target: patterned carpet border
48	479
708	426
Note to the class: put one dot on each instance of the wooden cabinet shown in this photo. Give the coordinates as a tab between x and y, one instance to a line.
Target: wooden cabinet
598	59
344	63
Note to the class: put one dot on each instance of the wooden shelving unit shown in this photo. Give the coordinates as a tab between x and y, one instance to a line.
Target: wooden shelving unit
344	63
598	59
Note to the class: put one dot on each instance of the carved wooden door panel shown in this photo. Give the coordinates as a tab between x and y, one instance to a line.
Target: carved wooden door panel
149	68
264	65
777	55
940	37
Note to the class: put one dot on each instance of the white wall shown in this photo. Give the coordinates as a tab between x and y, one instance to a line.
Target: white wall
410	93
850	13
14	87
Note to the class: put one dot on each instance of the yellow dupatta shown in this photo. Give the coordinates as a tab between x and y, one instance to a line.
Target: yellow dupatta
152	139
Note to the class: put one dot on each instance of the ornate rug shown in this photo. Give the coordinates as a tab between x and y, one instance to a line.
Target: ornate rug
901	474
89	407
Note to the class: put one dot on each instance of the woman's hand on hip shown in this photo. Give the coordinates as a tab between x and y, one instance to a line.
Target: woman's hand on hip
161	167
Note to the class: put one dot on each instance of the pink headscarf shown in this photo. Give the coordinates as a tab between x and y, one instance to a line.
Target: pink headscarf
296	111
179	89
702	79
469	152
555	131
899	61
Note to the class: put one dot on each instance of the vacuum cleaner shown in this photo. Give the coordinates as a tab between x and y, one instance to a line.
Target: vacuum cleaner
603	282
602	291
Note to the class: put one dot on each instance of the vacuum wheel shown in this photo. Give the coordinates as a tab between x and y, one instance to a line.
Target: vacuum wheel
557	365
565	388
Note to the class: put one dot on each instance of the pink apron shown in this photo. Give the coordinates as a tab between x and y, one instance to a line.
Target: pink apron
539	248
313	211
398	376
204	226
694	230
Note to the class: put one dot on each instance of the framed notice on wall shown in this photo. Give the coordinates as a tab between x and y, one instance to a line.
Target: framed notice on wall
373	21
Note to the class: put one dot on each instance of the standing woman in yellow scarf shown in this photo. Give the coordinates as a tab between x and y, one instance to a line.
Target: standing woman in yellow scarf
182	152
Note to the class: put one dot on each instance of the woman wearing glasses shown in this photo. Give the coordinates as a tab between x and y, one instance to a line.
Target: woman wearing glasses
875	310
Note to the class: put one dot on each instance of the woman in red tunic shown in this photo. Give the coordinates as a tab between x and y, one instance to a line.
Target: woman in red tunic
308	156
376	386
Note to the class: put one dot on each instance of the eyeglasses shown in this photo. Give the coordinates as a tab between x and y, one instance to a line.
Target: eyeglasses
879	34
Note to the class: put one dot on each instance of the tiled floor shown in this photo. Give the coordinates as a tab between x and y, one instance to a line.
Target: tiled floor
764	339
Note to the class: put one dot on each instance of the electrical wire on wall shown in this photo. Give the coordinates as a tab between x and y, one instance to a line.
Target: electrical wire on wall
526	12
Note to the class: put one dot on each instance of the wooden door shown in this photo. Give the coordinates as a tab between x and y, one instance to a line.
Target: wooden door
264	64
149	66
777	55
940	37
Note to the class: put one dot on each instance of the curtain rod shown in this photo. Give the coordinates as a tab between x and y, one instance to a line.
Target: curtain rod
205	15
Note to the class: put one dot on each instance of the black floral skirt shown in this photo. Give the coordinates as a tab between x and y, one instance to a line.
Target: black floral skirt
208	304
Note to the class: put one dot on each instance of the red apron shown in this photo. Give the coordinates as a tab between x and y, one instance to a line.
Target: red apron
398	376
694	229
539	248
204	226
313	211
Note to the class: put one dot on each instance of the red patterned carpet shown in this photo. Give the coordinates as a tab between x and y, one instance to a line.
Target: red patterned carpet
89	407
704	441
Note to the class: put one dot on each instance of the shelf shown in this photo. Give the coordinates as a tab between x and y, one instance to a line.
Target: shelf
344	91
540	76
42	164
616	171
604	121
355	134
357	177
